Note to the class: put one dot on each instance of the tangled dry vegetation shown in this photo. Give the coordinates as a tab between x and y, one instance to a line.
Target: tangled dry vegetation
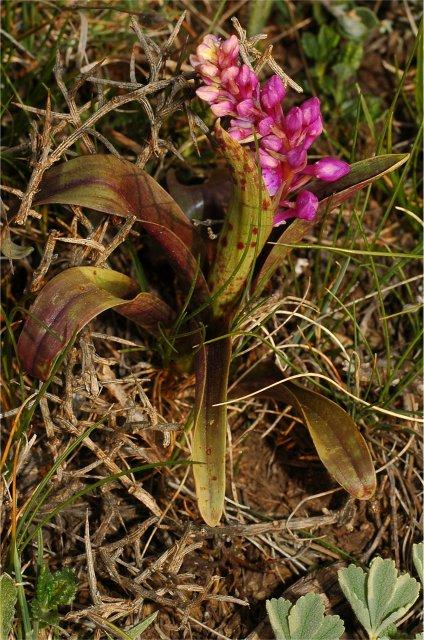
133	536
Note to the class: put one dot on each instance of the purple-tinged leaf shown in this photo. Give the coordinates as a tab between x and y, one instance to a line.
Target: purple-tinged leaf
330	195
73	298
111	185
246	228
10	249
210	428
207	200
338	442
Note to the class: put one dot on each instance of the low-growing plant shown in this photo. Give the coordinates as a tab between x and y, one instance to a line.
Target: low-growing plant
273	184
379	598
337	51
304	620
53	590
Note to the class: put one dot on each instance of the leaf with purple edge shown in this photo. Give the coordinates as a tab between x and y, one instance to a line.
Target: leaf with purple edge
246	228
112	185
73	298
210	428
339	444
209	199
330	195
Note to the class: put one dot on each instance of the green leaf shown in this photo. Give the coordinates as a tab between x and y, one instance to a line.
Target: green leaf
259	12
352	55
419	78
352	582
111	185
339	444
246	227
328	39
356	22
55	589
207	200
136	631
310	45
306	616
278	611
418	558
8	597
12	250
73	298
382	572
210	428
380	597
303	621
330	195
392	596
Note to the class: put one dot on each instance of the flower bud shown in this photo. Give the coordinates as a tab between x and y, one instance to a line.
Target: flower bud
273	180
247	109
271	142
247	82
296	158
208	93
272	93
265	125
330	169
293	122
266	161
306	206
224	108
208	70
311	111
228	51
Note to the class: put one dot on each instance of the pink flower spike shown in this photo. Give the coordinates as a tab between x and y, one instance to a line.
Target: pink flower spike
273	180
266	161
240	134
229	51
330	169
296	158
272	92
306	206
246	109
208	70
293	121
271	142
224	108
311	110
265	126
208	93
247	81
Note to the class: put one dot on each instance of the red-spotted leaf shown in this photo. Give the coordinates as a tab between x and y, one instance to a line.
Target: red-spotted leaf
330	195
338	442
112	185
210	428
73	298
246	228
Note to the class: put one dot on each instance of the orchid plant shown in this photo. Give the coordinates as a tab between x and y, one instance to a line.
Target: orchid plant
266	151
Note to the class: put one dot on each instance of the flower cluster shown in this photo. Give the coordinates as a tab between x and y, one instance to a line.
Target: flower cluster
233	89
